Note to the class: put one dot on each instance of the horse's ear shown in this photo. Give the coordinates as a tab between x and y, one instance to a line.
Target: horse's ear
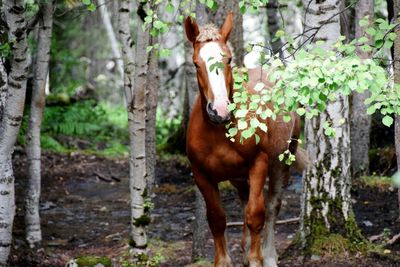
227	27
192	29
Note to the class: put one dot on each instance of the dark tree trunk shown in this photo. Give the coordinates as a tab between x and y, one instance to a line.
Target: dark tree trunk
273	27
360	121
396	71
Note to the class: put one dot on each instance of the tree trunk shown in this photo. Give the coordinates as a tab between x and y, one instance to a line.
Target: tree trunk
151	111
326	201
135	90
236	37
111	35
200	225
360	121
396	72
14	13
33	150
273	26
3	88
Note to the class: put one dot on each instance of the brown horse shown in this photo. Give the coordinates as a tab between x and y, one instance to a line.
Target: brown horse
214	158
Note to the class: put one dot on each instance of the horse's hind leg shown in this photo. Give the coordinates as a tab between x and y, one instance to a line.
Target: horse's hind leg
277	178
215	216
255	209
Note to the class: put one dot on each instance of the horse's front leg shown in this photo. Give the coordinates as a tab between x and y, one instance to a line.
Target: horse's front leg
277	178
255	209
215	216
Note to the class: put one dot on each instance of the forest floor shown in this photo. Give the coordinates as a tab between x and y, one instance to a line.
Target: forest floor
85	211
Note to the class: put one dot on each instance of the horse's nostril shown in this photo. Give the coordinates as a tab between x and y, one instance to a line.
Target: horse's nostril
210	110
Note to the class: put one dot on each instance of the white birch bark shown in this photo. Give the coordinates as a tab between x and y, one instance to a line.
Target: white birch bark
3	88
33	147
105	16
360	121
326	184
135	89
14	11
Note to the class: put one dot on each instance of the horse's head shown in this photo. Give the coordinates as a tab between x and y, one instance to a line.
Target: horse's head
212	58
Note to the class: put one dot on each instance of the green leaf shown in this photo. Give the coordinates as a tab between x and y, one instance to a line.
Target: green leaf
363	39
232	131
263	127
387	120
254	122
392	36
92	7
241	113
86	2
287	118
165	52
259	87
301	111
257	138
169	8
279	33
242	125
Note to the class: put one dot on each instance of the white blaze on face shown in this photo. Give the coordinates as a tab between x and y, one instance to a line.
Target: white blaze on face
211	53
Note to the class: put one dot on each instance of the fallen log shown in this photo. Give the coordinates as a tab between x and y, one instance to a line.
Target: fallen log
291	220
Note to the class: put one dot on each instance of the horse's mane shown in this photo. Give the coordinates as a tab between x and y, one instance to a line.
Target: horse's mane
208	32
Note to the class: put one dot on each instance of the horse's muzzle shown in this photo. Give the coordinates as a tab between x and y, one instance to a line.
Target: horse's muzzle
215	117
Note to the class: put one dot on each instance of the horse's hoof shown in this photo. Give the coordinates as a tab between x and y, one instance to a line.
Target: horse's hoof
270	262
255	264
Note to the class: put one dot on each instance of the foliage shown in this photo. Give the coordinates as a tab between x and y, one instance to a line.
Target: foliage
381	182
101	128
92	261
314	77
165	127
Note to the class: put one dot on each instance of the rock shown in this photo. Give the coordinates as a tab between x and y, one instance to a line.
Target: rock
367	223
315	257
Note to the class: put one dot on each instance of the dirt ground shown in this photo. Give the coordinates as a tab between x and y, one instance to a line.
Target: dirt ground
85	211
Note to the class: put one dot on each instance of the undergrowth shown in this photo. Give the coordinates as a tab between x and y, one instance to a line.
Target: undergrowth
92	128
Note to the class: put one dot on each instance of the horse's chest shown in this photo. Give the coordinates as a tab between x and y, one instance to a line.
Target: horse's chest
222	161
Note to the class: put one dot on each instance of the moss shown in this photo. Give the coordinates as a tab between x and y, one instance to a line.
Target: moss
142	220
91	261
329	245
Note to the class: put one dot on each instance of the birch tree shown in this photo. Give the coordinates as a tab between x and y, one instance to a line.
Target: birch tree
14	14
326	203
139	81
105	17
360	121
33	147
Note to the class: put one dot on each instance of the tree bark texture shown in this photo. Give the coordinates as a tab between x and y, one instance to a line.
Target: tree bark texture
326	202
273	26
105	16
151	112
396	72
3	88
14	13
33	149
200	225
236	37
360	121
